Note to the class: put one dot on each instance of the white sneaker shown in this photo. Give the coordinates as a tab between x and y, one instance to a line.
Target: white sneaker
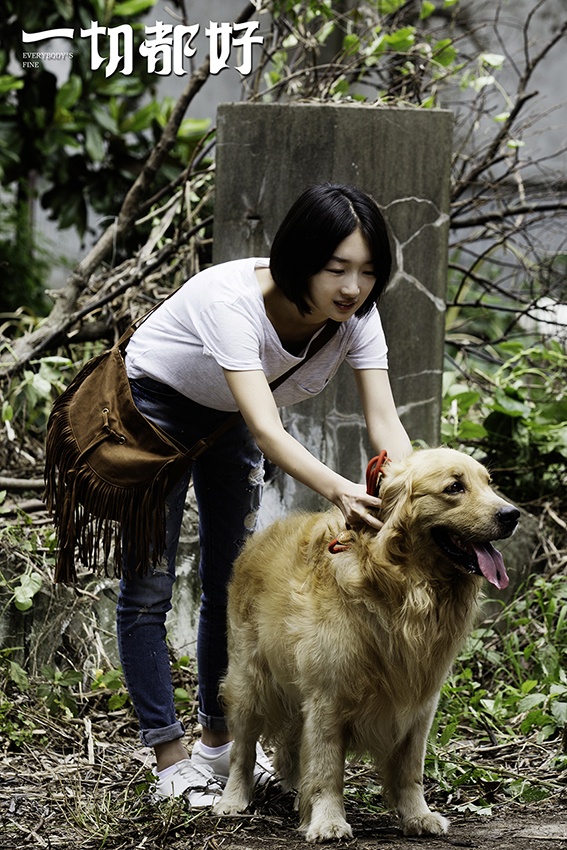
263	770
195	782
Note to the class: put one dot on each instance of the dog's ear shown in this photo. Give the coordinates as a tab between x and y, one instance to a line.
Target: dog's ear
396	491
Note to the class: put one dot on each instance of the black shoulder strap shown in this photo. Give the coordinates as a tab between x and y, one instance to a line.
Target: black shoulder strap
315	345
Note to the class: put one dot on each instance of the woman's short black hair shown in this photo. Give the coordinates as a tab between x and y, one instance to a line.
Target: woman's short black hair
316	223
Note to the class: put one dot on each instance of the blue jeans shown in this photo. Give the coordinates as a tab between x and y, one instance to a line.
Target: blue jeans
228	481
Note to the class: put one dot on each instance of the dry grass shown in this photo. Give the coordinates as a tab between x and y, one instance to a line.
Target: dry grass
83	783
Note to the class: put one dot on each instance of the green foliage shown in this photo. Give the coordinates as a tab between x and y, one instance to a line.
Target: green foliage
30	550
23	589
111	681
509	685
15	726
75	140
24	264
183	698
383	50
31	395
77	135
11	672
515	414
57	690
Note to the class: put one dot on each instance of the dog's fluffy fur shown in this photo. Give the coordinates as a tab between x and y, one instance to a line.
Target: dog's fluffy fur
348	651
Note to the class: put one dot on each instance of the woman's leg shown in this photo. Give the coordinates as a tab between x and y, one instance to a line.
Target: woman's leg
228	485
143	604
144	600
228	482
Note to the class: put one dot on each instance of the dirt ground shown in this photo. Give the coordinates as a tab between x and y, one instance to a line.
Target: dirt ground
541	827
93	795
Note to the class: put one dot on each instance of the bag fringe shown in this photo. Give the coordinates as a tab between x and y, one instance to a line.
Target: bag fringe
126	526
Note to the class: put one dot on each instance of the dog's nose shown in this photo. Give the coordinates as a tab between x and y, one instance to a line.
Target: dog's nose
508	516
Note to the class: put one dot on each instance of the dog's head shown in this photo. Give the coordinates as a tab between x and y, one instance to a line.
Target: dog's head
442	499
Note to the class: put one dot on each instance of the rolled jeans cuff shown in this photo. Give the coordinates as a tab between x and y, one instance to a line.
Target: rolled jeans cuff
215	724
153	737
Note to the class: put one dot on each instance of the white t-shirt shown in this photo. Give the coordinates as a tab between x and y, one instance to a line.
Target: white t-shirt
217	320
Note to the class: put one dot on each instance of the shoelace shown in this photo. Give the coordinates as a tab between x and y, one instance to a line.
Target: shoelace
210	782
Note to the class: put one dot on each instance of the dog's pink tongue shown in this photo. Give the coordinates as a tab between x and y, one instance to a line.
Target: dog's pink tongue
491	565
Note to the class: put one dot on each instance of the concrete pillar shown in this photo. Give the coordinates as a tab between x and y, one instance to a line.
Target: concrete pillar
266	155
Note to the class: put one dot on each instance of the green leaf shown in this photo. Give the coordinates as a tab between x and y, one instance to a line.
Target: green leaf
340	88
464	397
506	403
181	695
555	411
69	93
471	431
140	120
427	9
41	386
22	603
131	8
531	701
119	86
70	677
401	40
26	590
351	44
65	8
559	712
448	733
325	32
444	53
386	7
117	701
103	117
94	143
10	83
193	128
18	675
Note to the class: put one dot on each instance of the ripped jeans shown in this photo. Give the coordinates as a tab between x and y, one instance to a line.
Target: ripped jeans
227	480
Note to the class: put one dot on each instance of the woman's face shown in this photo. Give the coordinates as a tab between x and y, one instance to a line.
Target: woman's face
344	283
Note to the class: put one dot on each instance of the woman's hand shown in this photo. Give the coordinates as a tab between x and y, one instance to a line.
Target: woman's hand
256	403
358	507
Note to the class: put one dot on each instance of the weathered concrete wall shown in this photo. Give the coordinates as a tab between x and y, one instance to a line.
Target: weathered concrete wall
266	155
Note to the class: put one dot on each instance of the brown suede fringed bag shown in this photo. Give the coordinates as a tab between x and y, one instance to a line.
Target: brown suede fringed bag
108	468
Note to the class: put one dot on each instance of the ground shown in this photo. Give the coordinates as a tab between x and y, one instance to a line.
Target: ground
82	784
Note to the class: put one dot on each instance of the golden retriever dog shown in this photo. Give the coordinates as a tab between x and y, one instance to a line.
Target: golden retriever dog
347	650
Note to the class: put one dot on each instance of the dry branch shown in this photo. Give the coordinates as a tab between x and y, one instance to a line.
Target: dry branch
30	345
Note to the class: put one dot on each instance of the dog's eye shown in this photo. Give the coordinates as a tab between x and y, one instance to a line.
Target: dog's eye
455	487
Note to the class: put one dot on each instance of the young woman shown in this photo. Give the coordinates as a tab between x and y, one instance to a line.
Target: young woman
213	348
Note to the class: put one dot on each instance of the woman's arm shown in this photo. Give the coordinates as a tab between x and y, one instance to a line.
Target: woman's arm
385	431
255	401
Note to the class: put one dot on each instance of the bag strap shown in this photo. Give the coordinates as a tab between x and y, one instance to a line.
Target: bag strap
316	345
125	338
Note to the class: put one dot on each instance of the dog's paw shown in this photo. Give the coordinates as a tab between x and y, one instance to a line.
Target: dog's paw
230	805
430	823
319	831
